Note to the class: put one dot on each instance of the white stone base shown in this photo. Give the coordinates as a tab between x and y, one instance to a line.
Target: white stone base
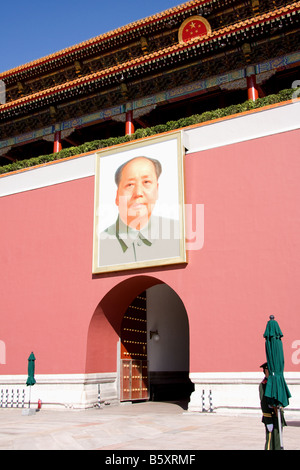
28	412
237	393
61	391
232	393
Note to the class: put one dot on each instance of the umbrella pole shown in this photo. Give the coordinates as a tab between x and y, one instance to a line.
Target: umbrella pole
29	396
280	428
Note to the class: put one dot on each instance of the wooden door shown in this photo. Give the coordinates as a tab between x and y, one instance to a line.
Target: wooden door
134	365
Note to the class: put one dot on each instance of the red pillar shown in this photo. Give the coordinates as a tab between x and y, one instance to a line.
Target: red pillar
252	88
129	127
57	142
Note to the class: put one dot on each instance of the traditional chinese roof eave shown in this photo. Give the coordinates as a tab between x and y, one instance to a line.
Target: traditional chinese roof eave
137	65
139	27
111	35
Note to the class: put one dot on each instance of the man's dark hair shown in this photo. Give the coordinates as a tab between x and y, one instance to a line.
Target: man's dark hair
156	163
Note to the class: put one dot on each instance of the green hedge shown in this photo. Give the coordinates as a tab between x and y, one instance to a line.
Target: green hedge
282	96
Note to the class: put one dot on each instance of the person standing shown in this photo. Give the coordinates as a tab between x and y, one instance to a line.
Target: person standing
270	415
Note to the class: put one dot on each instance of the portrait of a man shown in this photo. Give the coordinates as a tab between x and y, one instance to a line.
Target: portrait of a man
140	235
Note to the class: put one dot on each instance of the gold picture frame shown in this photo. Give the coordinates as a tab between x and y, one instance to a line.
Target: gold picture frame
160	241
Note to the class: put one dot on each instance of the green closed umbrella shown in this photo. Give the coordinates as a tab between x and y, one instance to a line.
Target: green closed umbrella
30	379
277	390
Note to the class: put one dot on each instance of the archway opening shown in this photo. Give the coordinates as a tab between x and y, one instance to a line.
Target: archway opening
154	347
166	352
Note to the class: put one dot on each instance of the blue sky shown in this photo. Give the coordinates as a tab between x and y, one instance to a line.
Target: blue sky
32	29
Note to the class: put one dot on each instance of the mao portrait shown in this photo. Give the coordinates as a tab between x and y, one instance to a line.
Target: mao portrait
139	207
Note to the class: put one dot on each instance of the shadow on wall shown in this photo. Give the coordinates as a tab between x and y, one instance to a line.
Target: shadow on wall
105	326
169	356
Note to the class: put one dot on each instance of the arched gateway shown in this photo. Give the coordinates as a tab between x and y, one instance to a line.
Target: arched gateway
139	334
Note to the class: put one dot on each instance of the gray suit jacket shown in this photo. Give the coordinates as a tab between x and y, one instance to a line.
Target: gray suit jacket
120	244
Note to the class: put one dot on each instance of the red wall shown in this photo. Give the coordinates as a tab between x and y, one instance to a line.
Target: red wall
248	268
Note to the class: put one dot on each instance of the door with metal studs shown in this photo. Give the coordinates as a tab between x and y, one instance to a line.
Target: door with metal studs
134	382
